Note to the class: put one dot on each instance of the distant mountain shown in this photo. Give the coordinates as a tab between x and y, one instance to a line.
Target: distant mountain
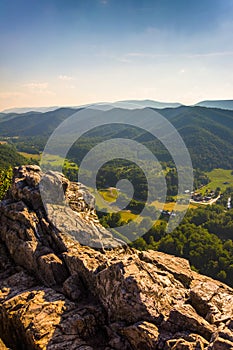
149	103
30	109
207	132
223	104
32	123
130	104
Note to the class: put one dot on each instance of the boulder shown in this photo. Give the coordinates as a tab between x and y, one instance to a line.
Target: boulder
67	283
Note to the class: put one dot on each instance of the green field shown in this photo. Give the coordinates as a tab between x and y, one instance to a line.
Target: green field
30	155
218	178
127	215
170	206
55	161
109	194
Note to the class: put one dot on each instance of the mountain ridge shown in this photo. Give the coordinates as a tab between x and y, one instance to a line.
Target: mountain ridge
221	104
211	146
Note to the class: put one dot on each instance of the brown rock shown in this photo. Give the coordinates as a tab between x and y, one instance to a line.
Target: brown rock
223	338
142	335
57	293
52	269
73	287
179	267
213	300
184	317
2	345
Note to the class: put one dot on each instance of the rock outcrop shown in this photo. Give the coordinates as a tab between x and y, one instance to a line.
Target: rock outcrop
59	294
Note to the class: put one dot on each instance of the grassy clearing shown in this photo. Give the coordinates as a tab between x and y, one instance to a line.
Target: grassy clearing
101	198
170	206
57	161
109	195
53	160
30	155
218	178
127	215
158	222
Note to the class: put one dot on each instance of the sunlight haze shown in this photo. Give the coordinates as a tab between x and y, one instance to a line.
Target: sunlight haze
64	53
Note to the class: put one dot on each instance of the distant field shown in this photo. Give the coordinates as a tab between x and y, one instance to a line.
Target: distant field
218	178
57	161
127	215
109	195
51	159
170	206
30	155
103	196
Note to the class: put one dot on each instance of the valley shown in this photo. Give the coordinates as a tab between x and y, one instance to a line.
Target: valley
206	230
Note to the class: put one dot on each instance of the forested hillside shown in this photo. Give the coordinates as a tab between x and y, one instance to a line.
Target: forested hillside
9	157
207	132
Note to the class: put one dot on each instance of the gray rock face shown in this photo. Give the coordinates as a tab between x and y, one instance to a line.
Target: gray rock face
58	294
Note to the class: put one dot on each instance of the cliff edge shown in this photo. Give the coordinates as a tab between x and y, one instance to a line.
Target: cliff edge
58	294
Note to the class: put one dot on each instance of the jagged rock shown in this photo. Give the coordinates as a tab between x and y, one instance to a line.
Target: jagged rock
182	341
178	267
212	299
42	318
73	287
223	338
57	293
142	335
184	317
2	345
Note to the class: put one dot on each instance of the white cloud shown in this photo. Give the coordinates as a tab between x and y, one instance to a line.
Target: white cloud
39	86
212	54
146	55
184	55
65	77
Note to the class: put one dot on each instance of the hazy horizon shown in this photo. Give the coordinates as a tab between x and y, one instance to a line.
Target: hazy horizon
81	105
57	53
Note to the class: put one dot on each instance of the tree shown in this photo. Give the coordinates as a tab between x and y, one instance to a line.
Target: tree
140	244
222	275
5	181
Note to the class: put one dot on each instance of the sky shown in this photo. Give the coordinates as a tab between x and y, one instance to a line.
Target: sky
73	52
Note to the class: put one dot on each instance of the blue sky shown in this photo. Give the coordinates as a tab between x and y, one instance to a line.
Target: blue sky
57	52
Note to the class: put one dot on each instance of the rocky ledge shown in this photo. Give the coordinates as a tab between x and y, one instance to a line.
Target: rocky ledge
58	294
